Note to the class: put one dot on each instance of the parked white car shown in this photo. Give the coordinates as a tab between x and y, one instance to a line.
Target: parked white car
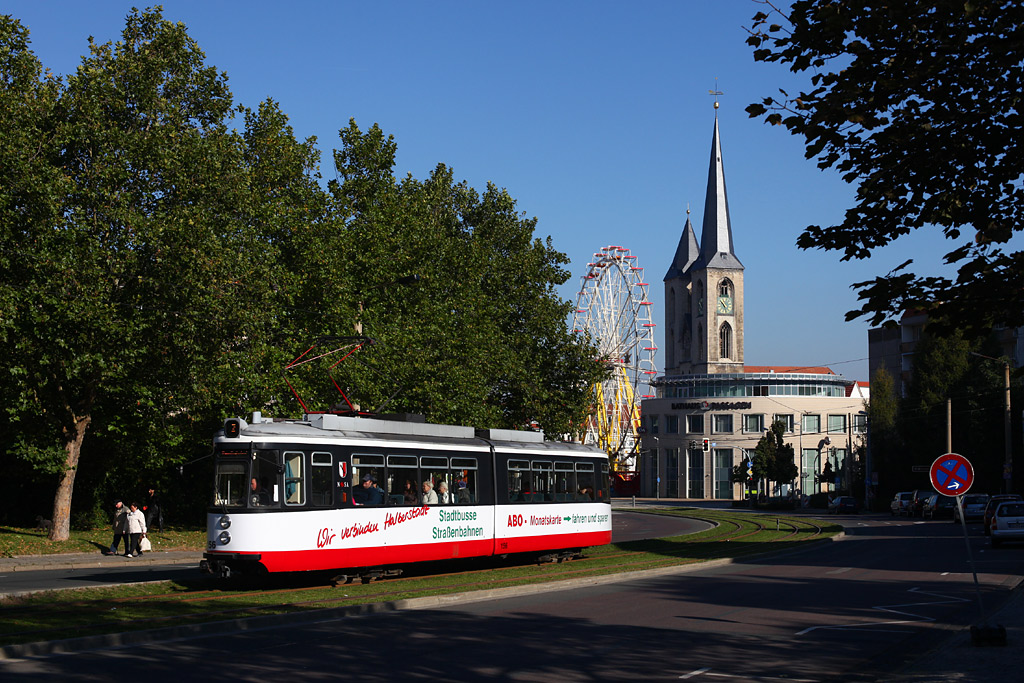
1007	523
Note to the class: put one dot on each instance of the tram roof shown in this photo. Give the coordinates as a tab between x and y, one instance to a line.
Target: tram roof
329	426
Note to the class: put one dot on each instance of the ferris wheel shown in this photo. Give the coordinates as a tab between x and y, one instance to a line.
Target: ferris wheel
613	307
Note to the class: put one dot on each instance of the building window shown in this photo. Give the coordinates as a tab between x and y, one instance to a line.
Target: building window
811	424
723	473
695	424
725	341
653	421
860	424
722	424
753	423
836	424
808	473
785	419
671	473
723	288
671	424
696	475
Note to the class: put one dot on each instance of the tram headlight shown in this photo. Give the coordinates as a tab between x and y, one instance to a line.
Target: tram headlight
224	538
224	522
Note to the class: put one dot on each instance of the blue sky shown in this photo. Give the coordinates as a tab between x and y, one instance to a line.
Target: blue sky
594	115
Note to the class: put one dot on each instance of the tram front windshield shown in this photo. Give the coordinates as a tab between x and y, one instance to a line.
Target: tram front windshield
230	488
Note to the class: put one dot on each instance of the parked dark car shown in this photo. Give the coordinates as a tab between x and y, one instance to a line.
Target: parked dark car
990	509
842	504
974	507
917	499
938	505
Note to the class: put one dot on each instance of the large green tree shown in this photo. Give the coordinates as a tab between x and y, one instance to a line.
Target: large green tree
160	269
128	299
887	452
946	369
918	104
480	336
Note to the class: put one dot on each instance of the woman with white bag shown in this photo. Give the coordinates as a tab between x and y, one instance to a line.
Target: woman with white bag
136	528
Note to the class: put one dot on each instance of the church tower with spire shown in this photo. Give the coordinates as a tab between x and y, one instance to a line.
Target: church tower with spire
704	287
711	410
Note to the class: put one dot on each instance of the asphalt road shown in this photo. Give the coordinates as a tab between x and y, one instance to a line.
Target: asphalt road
849	610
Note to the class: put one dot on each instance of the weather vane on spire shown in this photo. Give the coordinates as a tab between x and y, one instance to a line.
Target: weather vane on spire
716	92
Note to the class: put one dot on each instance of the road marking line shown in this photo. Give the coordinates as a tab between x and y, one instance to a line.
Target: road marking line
917	618
698	672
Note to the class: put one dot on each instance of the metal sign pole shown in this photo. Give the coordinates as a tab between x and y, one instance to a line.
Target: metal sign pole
970	556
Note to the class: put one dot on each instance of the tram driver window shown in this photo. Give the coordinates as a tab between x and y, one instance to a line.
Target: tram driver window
263	486
231	486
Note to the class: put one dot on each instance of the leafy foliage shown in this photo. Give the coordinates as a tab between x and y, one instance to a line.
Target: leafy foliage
159	268
919	105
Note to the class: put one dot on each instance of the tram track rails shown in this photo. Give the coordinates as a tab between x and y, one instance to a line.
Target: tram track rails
734	535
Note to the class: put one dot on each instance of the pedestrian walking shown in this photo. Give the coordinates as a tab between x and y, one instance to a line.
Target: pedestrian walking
120	518
154	513
135	526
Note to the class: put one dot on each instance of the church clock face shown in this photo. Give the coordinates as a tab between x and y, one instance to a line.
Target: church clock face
725	305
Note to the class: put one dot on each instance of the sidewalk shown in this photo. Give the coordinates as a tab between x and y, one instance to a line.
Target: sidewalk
955	658
29	563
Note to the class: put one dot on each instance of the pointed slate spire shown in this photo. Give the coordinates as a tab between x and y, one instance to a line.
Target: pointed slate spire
686	252
716	232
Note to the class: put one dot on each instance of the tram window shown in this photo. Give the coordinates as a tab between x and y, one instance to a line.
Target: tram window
463	485
362	465
565	482
602	489
403	480
585	482
230	486
543	482
519	488
264	472
435	470
321	491
293	490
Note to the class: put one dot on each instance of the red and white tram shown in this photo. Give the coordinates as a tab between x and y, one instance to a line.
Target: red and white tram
353	495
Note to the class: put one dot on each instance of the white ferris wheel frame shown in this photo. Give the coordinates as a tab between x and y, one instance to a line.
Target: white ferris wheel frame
614	308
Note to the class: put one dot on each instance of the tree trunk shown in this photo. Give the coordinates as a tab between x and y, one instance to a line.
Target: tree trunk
61	528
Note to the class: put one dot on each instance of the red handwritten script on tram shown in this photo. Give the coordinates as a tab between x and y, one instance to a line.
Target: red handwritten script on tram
394	518
327	536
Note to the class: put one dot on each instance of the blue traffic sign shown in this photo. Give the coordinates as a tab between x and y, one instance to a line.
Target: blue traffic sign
951	474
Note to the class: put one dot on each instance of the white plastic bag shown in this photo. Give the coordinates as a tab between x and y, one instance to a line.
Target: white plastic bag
144	545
